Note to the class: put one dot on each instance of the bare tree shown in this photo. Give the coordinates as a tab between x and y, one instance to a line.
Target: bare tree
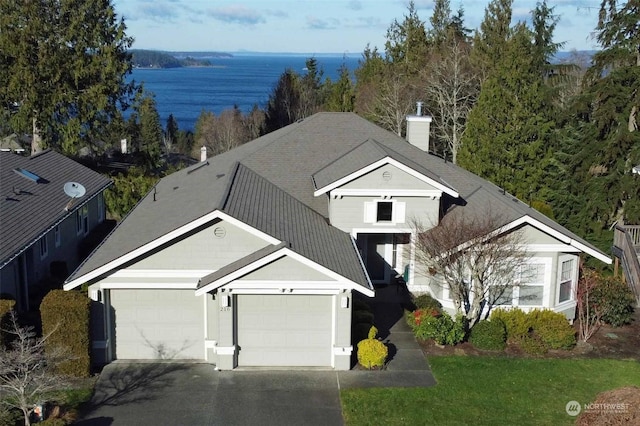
392	100
589	313
473	257
452	89
27	372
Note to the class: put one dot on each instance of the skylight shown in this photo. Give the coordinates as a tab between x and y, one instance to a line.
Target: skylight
29	175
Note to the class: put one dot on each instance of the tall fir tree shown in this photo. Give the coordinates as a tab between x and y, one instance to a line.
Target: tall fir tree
63	69
507	139
605	145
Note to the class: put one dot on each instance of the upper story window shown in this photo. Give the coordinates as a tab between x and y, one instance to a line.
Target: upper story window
82	220
56	235
100	208
388	212
384	211
44	247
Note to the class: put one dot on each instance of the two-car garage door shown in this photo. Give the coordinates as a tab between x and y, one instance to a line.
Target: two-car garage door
271	330
284	330
154	324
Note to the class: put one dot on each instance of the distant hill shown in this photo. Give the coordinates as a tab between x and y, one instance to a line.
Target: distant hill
158	59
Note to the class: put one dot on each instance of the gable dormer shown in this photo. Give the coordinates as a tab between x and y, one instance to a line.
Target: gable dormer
374	187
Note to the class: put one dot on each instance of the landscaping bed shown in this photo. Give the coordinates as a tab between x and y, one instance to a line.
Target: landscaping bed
608	342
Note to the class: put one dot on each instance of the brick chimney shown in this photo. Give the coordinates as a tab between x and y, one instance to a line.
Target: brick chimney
418	127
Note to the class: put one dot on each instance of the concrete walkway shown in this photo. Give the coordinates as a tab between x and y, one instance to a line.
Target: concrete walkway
407	365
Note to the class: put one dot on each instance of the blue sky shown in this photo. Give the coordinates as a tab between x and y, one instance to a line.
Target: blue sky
312	26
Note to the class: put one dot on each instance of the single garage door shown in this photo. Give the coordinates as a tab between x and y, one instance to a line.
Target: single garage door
284	331
153	324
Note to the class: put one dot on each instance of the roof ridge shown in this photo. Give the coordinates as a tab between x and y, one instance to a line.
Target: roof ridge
227	191
368	140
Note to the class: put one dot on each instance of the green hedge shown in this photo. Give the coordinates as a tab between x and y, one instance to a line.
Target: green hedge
616	299
6	306
65	314
538	330
489	335
427	302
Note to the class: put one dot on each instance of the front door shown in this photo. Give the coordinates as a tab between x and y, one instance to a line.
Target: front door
376	251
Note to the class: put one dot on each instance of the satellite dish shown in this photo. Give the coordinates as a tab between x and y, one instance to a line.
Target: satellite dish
74	189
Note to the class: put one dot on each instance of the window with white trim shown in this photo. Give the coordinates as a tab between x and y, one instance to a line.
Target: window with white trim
56	236
388	212
565	292
531	288
44	247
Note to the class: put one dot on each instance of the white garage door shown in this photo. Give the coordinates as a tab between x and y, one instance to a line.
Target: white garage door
284	331
153	324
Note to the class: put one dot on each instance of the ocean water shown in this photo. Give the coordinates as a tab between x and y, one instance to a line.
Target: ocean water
244	81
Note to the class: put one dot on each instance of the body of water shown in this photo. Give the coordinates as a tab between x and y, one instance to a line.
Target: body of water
244	81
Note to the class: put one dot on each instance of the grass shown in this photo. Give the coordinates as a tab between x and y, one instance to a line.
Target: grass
491	391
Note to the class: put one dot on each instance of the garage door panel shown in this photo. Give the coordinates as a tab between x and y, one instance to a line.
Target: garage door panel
158	324
284	330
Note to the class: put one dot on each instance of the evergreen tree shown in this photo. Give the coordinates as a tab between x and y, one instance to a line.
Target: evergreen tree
605	145
441	20
150	131
406	45
62	69
283	104
507	139
340	95
171	130
490	42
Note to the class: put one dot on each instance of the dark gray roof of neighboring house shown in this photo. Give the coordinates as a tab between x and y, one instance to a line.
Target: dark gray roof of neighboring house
30	208
278	169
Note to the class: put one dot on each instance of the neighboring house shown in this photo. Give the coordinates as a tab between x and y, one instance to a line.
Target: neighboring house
41	227
253	257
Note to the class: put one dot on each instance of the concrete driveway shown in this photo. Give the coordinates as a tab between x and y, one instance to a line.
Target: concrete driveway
196	394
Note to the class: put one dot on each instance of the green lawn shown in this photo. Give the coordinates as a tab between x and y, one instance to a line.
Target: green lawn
491	391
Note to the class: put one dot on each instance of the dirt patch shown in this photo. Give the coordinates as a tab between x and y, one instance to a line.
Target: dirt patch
615	407
608	342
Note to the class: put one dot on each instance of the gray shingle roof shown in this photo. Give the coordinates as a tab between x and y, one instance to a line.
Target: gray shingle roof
29	208
277	172
262	205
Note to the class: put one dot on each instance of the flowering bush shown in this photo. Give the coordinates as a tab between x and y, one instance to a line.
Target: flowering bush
439	326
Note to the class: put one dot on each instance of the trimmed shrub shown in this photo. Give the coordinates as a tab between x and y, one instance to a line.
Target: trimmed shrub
489	335
553	329
6	306
360	305
615	299
426	301
65	318
515	320
532	344
430	324
372	353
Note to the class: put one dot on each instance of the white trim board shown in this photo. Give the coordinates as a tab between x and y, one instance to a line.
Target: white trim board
556	234
382	162
346	192
128	257
284	251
